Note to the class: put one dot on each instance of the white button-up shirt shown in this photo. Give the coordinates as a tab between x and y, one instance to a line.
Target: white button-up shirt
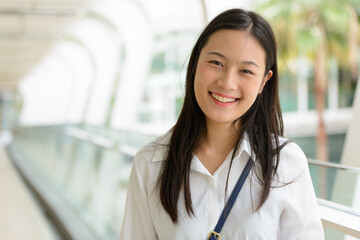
290	212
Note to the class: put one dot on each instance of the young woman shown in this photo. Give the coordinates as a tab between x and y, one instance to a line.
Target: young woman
180	183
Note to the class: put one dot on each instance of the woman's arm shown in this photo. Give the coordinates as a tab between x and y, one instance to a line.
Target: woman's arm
137	223
300	218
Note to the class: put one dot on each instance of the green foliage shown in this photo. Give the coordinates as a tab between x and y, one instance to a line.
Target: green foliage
307	41
302	26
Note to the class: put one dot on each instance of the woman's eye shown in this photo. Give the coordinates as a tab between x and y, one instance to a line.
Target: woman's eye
246	71
216	63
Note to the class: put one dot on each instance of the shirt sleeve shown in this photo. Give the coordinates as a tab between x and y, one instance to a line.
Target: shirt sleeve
137	223
300	219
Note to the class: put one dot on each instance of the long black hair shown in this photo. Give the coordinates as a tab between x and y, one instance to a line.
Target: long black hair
261	122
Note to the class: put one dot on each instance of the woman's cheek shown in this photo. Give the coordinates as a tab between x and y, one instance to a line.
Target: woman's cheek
204	72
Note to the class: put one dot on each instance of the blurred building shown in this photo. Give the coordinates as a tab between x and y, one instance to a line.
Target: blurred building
85	84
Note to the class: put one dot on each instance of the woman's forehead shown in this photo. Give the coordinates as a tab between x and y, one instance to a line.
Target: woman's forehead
236	45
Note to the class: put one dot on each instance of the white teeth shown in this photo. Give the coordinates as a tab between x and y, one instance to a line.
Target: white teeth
223	99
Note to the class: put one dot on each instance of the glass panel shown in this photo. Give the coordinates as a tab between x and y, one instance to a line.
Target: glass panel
92	181
334	184
163	91
332	234
335	146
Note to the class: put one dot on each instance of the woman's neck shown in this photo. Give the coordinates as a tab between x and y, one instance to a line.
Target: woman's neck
219	137
219	140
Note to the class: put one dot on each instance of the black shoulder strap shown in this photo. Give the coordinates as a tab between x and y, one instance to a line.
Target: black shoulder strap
215	235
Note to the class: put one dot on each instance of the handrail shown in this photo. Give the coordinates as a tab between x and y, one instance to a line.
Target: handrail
333	165
339	207
131	151
100	141
340	217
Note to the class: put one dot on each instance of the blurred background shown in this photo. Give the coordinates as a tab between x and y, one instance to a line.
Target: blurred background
84	84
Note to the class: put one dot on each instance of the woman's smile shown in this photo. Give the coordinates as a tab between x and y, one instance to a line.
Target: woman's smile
223	100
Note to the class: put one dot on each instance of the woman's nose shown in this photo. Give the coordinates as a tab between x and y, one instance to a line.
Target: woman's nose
229	80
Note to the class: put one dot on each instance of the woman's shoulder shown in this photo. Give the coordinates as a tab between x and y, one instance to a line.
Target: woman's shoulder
154	151
293	161
145	166
291	152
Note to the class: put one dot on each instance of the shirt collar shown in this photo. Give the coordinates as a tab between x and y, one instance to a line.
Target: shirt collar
245	146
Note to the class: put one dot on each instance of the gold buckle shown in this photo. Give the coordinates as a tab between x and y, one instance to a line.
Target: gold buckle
215	234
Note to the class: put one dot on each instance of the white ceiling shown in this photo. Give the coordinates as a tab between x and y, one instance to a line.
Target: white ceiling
28	28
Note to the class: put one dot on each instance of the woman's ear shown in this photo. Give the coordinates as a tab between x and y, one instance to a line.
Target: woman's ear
266	78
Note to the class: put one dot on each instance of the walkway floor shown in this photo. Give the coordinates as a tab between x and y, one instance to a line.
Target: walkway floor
20	216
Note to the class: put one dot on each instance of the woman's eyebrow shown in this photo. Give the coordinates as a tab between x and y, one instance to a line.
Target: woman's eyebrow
241	62
217	54
250	63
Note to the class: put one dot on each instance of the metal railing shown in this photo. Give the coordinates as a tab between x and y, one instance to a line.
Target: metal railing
333	165
339	217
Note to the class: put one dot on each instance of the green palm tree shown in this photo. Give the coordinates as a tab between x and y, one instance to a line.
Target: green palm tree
318	30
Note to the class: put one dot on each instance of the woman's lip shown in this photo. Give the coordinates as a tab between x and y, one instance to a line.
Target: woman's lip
223	95
223	104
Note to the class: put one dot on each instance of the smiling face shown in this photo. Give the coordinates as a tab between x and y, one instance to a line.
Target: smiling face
229	75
